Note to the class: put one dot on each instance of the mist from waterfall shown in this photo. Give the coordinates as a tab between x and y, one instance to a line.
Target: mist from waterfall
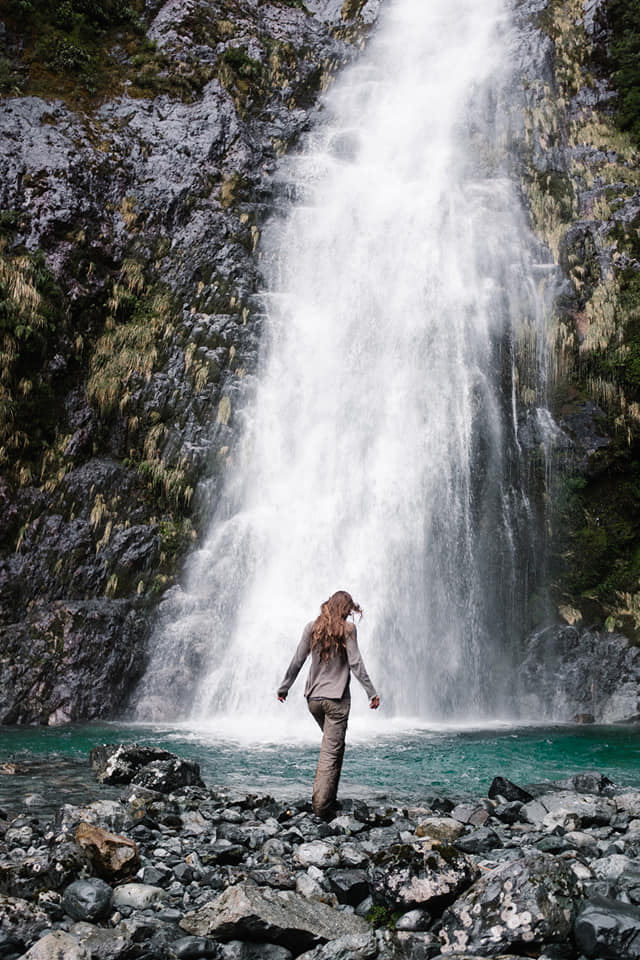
380	448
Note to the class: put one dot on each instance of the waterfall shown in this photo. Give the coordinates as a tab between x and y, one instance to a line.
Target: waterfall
380	449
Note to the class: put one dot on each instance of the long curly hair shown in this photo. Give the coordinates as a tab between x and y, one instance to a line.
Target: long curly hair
329	629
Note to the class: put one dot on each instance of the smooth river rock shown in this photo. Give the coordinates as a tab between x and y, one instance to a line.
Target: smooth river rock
140	896
245	911
88	899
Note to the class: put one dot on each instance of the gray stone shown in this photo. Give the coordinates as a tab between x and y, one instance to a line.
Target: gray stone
57	945
317	854
119	763
10	944
191	948
102	944
352	855
309	887
244	911
347	824
158	875
351	947
137	895
608	929
168	775
479	841
569	810
587	782
475	814
88	899
350	886
628	803
501	787
508	812
407	876
52	870
24	920
106	813
414	920
236	950
441	829
530	901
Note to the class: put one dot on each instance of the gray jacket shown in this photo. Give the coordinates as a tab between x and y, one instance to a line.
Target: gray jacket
328	679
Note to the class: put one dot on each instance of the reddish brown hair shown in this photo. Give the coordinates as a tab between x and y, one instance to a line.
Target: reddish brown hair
329	629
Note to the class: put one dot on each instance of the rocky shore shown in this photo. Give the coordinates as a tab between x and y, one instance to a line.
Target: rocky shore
173	869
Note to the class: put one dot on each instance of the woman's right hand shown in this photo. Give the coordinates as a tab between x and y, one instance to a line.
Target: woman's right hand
374	703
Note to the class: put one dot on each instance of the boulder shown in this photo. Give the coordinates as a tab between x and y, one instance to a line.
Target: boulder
57	945
119	763
42	871
23	920
408	875
587	782
528	902
501	787
113	857
165	776
569	810
608	929
88	899
102	944
247	912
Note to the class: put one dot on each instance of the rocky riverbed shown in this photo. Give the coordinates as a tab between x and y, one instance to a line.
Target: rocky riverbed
173	869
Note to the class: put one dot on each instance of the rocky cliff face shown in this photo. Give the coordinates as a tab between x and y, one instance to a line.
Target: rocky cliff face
582	183
132	200
136	172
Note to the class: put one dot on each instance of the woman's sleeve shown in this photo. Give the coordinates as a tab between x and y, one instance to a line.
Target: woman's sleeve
299	657
356	663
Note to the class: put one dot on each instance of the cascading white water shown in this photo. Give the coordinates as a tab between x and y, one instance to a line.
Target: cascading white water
380	453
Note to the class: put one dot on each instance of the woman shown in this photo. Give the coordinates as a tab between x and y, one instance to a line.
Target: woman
333	645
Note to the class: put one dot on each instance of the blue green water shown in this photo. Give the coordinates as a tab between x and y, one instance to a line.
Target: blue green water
406	765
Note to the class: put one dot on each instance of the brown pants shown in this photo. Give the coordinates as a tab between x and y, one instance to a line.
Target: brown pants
332	717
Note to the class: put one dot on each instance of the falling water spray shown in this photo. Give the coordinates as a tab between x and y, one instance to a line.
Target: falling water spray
380	451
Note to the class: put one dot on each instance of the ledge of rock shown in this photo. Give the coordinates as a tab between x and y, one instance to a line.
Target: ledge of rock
246	911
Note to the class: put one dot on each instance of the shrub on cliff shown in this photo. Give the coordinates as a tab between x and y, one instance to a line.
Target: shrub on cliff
624	59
